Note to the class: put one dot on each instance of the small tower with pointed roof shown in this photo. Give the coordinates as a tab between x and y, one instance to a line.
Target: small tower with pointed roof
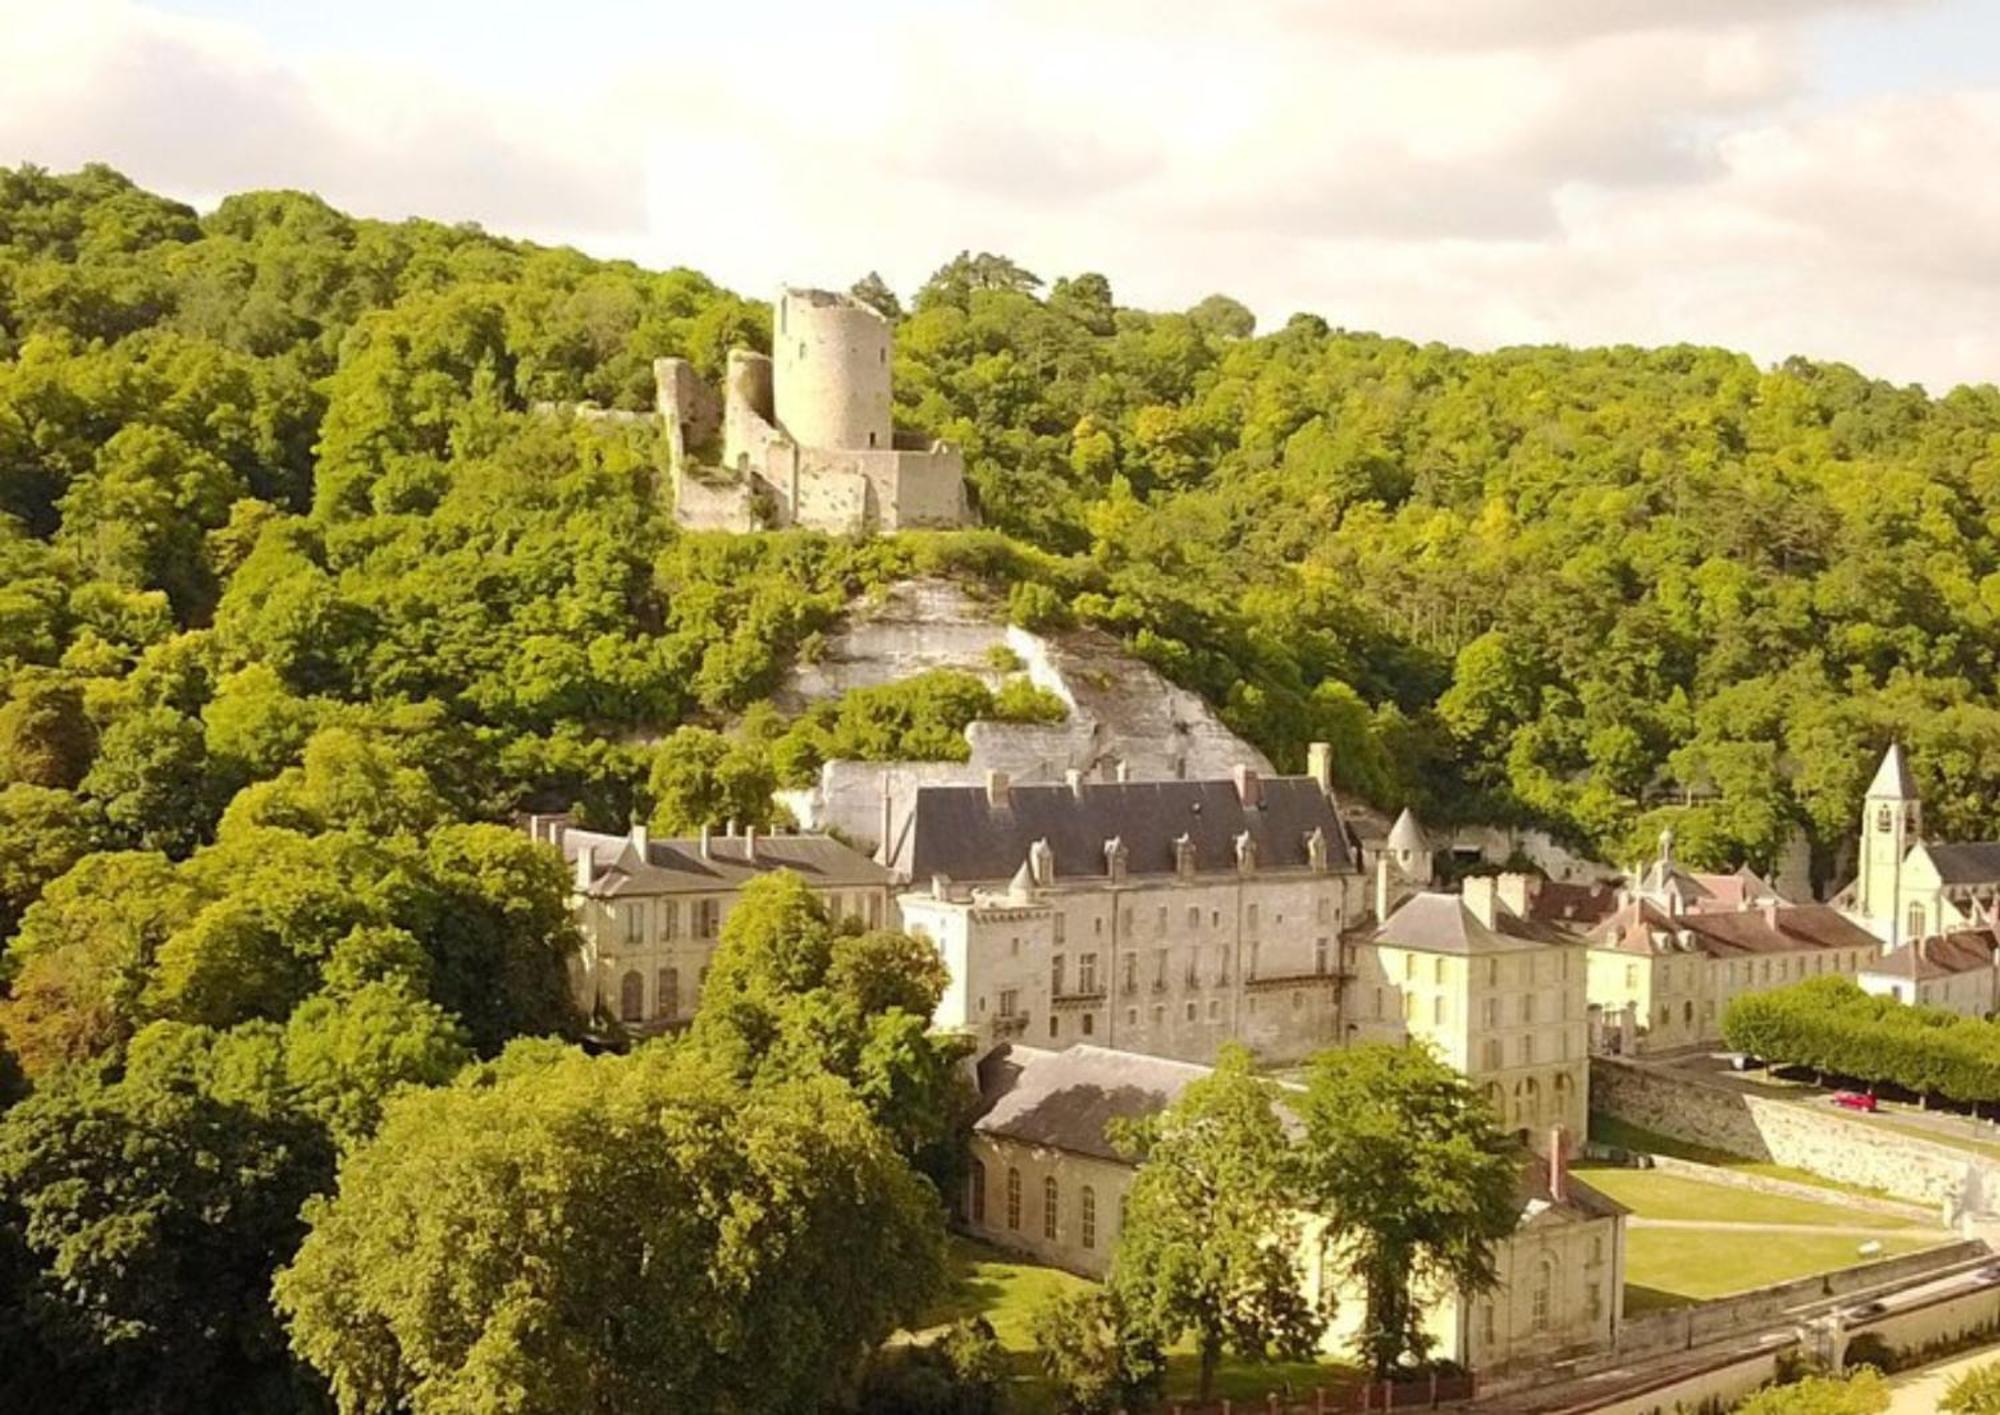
1891	822
1409	849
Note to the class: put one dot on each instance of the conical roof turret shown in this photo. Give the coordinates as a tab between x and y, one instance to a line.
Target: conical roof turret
1406	834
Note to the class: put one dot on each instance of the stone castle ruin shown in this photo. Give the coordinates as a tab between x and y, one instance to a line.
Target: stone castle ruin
805	436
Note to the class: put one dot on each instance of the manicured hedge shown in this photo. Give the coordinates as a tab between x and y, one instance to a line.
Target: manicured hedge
1831	1025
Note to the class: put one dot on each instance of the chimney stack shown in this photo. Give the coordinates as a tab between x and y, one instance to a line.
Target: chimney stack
1381	889
750	843
1771	917
883	827
1559	1164
584	867
1517	891
1246	786
641	840
707	849
1319	765
996	790
1479	898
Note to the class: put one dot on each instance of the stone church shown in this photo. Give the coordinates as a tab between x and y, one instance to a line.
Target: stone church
805	436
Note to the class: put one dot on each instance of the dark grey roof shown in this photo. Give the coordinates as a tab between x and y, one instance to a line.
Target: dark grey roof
1973	862
956	832
678	866
1067	1099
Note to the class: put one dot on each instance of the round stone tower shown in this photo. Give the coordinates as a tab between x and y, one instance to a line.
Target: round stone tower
830	357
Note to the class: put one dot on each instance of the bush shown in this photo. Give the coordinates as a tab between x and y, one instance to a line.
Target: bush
963	1372
1976	1392
1863	1393
1094	1355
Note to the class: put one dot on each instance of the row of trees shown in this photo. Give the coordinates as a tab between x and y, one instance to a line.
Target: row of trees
1386	1162
1830	1025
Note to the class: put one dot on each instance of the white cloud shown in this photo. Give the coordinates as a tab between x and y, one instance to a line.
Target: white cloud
1582	170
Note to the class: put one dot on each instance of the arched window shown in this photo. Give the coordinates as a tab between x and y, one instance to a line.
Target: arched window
632	997
1545	1294
1013	1198
1051	1208
1087	1217
667	998
978	1182
1916	922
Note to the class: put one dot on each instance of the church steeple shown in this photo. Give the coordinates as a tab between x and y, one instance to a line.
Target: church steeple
1891	822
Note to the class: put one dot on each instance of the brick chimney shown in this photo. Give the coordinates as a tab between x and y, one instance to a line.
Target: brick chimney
707	837
750	843
996	790
1319	765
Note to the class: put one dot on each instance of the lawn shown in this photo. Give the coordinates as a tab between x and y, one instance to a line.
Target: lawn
1608	1130
1006	1290
1671	1267
1648	1193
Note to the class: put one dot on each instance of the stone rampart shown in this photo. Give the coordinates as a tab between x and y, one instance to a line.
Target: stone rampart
1791	1189
1822	1142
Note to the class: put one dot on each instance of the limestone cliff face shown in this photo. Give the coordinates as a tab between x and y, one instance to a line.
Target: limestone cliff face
1122	714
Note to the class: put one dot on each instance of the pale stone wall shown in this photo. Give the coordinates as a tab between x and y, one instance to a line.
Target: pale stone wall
1514	1023
1818	1141
1968	994
723	505
688	407
1560	1283
667	943
832	371
1678	999
1159	965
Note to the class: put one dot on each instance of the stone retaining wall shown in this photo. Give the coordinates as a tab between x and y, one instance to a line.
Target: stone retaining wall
1821	1142
1791	1189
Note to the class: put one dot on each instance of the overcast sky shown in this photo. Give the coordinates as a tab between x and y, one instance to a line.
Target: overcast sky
1809	176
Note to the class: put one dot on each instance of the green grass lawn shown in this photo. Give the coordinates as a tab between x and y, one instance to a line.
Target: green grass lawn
1648	1193
1671	1267
1006	1290
1608	1130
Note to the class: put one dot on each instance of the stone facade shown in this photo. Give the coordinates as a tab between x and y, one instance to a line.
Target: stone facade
651	911
807	434
1045	1181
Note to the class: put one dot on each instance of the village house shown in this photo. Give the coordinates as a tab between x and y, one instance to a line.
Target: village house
651	911
1048	1180
1955	972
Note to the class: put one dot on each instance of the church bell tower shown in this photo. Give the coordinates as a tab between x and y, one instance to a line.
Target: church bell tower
1891	822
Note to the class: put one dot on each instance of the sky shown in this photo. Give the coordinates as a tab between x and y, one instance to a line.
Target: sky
1781	176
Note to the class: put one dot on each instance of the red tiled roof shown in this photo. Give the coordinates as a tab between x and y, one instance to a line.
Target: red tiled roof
1730	933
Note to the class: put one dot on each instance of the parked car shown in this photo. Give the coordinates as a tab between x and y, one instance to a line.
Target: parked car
1855	1100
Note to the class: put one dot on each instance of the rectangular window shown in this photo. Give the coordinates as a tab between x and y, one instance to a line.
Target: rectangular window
836	907
1437	1010
1014	1198
1161	924
1492	1011
1409	966
1087	1217
1086	973
1528	1049
1056	975
635	922
1097	925
1250	918
1437	971
1010	1002
1131	979
1194	967
670	918
1319	956
1061	926
1194	916
1126	922
1159	970
874	911
667	1002
1324	907
1527	1007
1378	1004
1254	949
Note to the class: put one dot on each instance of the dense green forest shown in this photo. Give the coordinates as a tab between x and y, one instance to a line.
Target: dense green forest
304	589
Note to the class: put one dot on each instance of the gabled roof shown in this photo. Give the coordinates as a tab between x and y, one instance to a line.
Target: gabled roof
1733	891
1067	1100
1892	778
959	832
1730	933
1572	905
619	871
1944	956
1970	862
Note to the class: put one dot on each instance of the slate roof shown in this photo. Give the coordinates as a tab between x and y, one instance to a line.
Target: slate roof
1972	862
1434	922
958	833
1571	905
1946	956
678	867
1731	933
1892	778
1066	1099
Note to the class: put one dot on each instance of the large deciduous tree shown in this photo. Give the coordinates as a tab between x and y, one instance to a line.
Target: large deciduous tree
1416	1185
620	1233
1210	1245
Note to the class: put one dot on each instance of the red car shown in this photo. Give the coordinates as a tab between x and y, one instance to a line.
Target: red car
1854	1100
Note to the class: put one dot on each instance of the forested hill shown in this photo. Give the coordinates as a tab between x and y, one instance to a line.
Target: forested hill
272	476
